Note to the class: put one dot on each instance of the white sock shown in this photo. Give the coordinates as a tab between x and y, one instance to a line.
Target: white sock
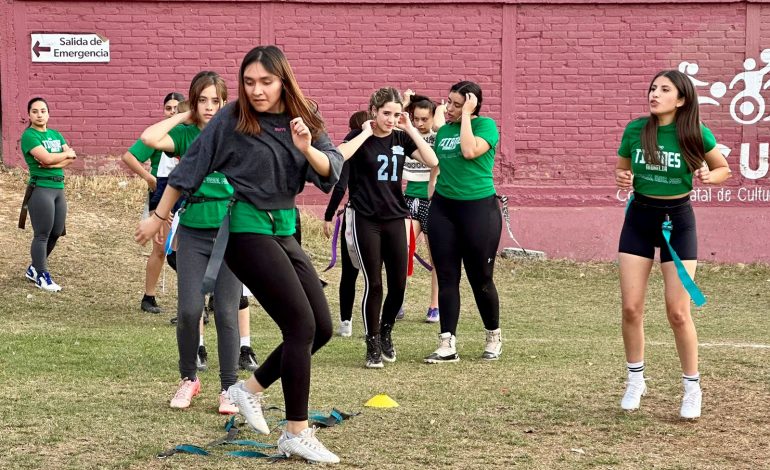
245	341
635	370
200	342
691	379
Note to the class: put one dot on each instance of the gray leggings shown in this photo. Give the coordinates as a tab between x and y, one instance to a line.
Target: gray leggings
47	212
193	254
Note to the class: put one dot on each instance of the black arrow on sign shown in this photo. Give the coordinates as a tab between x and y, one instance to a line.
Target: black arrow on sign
37	49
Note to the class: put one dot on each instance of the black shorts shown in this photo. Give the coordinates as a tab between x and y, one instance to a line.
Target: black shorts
642	230
160	185
156	195
418	209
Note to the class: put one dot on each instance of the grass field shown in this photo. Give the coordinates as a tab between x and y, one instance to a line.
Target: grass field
86	377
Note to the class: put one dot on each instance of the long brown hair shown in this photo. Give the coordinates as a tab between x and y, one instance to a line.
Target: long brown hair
200	82
687	118
295	103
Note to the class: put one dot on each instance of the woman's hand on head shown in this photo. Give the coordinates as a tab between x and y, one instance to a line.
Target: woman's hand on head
471	101
440	109
300	134
408	95
368	127
405	123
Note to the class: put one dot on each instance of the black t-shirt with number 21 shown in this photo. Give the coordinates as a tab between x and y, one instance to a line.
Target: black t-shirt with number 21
375	175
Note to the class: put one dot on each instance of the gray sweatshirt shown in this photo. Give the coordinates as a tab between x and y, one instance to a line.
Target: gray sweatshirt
267	170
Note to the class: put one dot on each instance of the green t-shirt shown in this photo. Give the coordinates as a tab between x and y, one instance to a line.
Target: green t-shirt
246	218
418	189
53	142
460	178
215	187
143	153
671	177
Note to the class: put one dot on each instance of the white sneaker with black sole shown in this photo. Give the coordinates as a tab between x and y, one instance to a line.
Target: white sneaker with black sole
494	345
307	446
446	352
249	406
635	390
691	401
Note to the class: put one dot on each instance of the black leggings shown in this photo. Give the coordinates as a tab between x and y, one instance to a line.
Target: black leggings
378	242
465	232
642	228
347	280
282	279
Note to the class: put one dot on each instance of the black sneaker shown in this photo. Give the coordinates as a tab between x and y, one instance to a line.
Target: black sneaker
149	304
247	359
386	344
373	352
201	361
173	321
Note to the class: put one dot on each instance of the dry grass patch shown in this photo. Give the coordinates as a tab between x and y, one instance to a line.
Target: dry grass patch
86	377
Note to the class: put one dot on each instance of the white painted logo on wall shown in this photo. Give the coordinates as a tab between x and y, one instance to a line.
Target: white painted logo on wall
748	106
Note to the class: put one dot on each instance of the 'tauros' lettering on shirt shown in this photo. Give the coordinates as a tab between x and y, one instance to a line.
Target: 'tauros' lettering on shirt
215	180
52	146
667	160
449	143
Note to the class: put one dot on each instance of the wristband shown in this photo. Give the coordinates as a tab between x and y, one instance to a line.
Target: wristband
161	218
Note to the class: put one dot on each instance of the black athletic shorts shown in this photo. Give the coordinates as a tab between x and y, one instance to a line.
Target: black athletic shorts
418	209
642	229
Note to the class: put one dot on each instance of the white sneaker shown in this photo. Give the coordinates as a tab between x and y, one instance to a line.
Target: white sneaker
635	390
446	352
346	328
307	446
691	401
249	406
494	346
45	282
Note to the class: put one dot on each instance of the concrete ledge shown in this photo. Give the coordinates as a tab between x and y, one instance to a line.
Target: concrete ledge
511	252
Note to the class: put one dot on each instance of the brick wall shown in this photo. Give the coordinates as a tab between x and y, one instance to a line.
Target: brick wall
560	77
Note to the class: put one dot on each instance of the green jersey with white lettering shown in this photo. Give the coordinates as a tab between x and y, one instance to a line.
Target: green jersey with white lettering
461	178
53	142
671	177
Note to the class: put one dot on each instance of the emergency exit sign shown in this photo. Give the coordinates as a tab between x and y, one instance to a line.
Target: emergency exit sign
67	47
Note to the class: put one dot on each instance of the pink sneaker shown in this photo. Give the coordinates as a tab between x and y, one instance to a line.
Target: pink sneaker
186	391
226	407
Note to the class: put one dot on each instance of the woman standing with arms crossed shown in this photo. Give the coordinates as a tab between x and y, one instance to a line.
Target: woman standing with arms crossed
46	154
200	218
133	159
268	144
377	154
659	155
465	220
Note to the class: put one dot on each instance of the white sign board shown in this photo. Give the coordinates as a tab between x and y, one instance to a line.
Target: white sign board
63	47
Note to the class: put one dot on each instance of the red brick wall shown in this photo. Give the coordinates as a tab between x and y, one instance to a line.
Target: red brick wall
561	77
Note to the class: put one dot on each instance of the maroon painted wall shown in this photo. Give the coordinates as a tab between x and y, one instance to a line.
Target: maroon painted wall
561	77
